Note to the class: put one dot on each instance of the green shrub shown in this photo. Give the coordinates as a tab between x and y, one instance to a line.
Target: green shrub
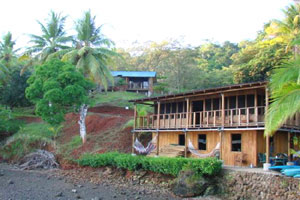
8	124
30	137
98	160
127	161
164	165
205	166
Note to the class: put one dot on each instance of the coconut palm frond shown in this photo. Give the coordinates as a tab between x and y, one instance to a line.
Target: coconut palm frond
53	38
71	56
285	105
289	72
58	54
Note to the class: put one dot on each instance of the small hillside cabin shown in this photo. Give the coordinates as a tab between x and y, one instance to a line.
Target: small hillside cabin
137	81
232	116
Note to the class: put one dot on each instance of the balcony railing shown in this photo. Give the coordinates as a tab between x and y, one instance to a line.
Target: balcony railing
138	86
240	117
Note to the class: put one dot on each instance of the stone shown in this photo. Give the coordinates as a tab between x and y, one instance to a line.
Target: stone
186	185
74	190
96	198
59	194
80	186
10	181
78	196
1	173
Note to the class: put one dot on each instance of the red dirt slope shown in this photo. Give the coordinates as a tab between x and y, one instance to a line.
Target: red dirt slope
104	130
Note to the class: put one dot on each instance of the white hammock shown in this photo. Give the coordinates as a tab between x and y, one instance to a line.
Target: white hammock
202	155
141	149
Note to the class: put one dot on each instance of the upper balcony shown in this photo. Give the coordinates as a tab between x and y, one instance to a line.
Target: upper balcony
237	106
241	117
138	85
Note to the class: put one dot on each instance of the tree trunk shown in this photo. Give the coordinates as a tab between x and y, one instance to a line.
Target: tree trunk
81	122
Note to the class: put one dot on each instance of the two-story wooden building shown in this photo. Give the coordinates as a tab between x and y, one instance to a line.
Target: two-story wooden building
232	116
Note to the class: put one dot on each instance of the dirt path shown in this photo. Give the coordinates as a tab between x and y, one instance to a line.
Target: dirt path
17	184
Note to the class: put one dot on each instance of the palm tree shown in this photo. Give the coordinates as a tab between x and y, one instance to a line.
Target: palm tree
8	55
52	40
285	94
91	56
289	28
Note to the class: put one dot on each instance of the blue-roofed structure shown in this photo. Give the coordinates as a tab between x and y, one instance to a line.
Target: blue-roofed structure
133	74
137	81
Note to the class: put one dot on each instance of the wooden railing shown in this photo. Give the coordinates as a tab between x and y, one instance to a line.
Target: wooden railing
238	117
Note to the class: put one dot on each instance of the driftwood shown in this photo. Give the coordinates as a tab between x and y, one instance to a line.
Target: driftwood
38	160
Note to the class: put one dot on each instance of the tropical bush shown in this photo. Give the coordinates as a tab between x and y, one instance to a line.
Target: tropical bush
164	165
7	122
29	138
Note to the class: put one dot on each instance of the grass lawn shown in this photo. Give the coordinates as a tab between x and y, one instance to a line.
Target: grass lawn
121	99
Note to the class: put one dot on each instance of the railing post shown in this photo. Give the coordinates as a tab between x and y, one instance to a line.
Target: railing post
247	116
214	118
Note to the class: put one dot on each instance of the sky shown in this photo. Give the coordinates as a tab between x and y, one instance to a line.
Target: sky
130	21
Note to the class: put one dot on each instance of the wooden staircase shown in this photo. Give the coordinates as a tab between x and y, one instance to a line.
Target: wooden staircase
169	151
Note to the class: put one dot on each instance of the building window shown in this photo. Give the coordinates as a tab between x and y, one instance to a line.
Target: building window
181	139
236	142
202	141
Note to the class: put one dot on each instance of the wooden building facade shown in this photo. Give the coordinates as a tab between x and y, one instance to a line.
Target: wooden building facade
232	116
137	81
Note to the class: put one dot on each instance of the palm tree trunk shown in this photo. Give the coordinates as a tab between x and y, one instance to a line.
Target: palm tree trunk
81	122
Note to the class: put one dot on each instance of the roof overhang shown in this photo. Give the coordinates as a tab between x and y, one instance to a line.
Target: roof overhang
208	91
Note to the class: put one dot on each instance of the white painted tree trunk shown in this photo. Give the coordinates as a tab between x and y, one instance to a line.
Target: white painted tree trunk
81	122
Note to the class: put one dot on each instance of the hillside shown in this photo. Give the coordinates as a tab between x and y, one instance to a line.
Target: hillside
109	124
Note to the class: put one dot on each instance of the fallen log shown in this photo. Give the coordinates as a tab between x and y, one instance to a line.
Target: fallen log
39	159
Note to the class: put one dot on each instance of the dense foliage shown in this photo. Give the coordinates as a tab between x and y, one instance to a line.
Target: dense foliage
8	124
13	94
54	88
164	165
29	138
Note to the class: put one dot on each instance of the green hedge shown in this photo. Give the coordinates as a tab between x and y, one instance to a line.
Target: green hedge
164	165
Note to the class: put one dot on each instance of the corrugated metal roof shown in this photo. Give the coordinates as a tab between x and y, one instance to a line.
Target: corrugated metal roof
204	91
133	73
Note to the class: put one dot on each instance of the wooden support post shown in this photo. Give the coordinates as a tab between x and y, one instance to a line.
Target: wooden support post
157	144
185	143
135	116
133	140
221	142
289	146
194	120
214	113
158	116
236	102
267	136
223	110
204	108
187	113
255	107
